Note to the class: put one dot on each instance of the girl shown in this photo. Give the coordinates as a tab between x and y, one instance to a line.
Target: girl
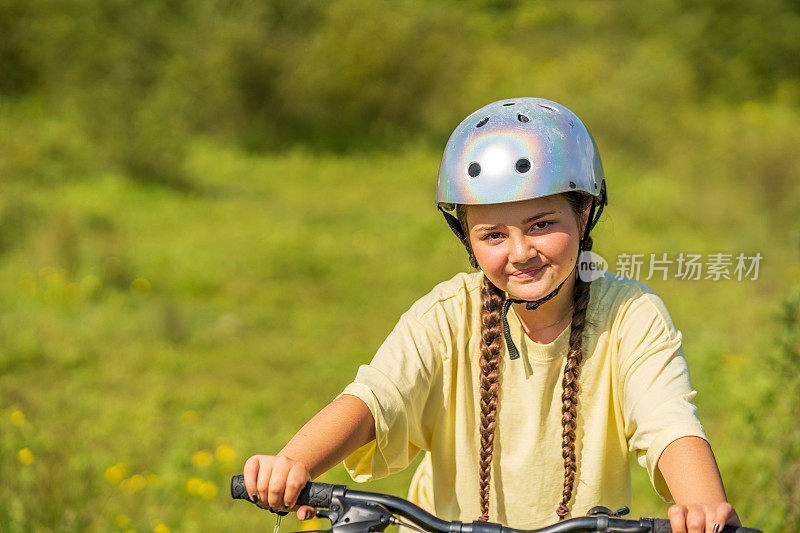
528	382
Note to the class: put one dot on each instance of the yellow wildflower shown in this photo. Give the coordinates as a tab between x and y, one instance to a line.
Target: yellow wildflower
25	456
225	453
193	486
161	528
202	459
133	484
18	418
208	490
116	473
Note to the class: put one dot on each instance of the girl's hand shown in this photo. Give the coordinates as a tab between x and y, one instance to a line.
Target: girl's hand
276	481
700	518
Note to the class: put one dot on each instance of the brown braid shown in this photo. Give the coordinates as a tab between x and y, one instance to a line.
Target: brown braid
572	371
491	347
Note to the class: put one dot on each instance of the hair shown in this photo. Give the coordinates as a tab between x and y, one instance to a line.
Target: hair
491	350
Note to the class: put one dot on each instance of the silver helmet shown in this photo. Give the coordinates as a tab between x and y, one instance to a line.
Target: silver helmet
517	149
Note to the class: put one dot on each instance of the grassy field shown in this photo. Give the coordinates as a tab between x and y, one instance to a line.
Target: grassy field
181	287
152	338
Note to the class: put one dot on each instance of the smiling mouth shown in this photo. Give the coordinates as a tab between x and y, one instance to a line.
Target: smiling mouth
528	273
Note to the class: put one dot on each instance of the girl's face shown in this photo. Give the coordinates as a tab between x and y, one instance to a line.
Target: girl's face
525	248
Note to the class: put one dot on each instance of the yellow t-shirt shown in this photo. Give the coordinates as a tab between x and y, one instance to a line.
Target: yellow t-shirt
422	388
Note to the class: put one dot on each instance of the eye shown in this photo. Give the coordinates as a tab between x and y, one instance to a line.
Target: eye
542	224
493	236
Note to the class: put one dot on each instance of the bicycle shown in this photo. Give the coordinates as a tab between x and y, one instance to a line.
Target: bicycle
354	511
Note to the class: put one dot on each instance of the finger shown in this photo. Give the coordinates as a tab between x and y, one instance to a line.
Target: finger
723	514
262	486
305	512
295	481
696	519
250	473
277	484
677	518
713	523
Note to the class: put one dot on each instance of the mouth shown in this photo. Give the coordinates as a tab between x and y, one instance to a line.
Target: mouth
528	272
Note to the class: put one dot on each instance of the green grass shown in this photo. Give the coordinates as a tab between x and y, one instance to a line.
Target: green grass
142	324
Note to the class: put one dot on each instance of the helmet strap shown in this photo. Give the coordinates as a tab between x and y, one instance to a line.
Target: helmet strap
602	202
593	218
513	353
454	224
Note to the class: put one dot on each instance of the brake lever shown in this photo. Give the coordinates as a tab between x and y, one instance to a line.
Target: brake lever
356	518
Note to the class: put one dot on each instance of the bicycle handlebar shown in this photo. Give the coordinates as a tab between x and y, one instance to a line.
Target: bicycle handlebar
375	510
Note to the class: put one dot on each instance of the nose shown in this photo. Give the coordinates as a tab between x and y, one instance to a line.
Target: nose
521	249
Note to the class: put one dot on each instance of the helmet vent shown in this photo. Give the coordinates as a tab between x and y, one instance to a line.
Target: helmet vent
508	104
522	118
482	122
523	165
549	108
474	169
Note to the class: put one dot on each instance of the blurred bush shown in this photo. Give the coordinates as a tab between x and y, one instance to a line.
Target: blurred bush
140	77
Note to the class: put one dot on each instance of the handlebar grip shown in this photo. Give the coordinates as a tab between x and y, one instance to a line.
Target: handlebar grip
316	494
661	525
238	490
313	494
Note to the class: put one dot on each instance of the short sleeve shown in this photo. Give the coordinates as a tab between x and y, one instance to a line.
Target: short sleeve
657	396
398	387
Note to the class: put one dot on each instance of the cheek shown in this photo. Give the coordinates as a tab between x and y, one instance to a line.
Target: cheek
490	258
561	247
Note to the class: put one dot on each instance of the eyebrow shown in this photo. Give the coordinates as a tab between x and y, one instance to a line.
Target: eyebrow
526	221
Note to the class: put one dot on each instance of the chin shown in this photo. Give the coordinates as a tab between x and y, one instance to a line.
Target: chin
529	297
532	290
528	293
